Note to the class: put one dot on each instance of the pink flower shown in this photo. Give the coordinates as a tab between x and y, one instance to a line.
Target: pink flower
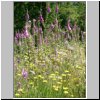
24	73
52	26
56	10
68	25
40	30
26	34
48	9
41	19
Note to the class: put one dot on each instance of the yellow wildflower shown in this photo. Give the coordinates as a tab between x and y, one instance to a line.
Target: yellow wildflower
66	71
52	75
40	76
54	79
56	72
31	83
59	83
17	94
65	88
64	80
20	90
79	67
56	88
45	81
19	74
63	74
65	92
72	95
59	77
69	74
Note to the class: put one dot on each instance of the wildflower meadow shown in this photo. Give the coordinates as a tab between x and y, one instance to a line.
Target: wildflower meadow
49	50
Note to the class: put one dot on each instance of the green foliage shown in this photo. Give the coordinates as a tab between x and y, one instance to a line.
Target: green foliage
55	65
76	11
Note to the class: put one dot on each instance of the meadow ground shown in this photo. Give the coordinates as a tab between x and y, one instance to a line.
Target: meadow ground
56	70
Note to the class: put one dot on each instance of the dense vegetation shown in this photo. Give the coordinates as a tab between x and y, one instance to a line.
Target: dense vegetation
49	50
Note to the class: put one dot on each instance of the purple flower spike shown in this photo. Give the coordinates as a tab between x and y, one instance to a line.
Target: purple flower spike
26	34
18	35
40	30
41	19
52	27
56	10
16	40
68	25
48	9
24	73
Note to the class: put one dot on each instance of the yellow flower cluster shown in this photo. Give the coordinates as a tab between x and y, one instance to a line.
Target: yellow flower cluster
45	81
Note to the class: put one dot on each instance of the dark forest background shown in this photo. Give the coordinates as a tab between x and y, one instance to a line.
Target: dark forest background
76	11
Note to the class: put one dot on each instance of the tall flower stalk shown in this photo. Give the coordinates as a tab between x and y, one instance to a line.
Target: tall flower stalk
27	16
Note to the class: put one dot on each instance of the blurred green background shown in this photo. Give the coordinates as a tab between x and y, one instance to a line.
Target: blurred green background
76	11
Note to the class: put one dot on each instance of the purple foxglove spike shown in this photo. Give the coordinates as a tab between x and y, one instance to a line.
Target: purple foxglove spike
18	35
56	10
48	9
36	29
68	25
40	30
23	35
16	40
24	73
56	21
69	28
51	26
41	19
26	34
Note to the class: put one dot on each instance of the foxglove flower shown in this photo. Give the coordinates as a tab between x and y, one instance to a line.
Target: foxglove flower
40	30
16	40
48	9
41	18
22	35
56	10
36	29
68	25
56	21
18	35
26	34
52	27
24	73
